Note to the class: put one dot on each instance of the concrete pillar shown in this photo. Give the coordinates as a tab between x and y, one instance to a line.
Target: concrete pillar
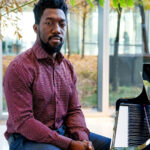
103	57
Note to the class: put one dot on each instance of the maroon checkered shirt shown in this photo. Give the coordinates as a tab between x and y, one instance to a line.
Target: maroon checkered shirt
41	95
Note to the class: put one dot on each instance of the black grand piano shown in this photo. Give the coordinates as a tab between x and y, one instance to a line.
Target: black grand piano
132	123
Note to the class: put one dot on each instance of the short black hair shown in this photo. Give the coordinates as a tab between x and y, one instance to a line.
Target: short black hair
43	4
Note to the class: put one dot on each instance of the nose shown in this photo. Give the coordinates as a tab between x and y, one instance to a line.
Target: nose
56	29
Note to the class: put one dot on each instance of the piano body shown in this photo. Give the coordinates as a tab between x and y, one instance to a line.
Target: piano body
132	129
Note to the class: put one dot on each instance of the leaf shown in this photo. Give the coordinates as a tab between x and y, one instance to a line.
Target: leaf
130	3
115	3
101	2
72	2
17	18
7	10
19	36
123	3
91	3
11	5
18	7
146	4
1	4
1	37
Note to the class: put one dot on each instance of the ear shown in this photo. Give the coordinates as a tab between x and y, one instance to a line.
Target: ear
35	28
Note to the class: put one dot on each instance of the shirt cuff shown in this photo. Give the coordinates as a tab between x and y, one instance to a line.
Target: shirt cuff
80	135
83	136
63	142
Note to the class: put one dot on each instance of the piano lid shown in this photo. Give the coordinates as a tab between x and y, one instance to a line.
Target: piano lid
146	79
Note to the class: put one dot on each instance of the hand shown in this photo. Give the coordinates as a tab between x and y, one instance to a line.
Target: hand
80	145
89	145
77	145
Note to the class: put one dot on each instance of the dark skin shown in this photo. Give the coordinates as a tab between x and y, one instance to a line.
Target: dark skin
53	22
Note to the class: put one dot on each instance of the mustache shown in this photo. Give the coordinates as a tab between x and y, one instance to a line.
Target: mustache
55	36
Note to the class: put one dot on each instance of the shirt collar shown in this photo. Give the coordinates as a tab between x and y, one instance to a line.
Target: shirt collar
41	54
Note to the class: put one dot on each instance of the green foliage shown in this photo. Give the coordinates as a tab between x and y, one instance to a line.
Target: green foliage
72	2
101	2
89	101
91	3
115	3
123	92
4	105
130	3
122	3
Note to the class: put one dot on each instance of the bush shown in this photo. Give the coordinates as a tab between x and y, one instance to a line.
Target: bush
86	70
123	92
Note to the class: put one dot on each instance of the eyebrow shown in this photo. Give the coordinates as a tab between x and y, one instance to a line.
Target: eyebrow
49	18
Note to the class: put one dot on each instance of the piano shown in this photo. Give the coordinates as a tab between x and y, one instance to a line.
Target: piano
132	121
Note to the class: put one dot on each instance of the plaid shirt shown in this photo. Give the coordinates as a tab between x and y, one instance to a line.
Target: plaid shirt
41	95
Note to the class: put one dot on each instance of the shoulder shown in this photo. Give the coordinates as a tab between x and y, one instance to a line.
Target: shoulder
68	64
22	65
25	59
70	68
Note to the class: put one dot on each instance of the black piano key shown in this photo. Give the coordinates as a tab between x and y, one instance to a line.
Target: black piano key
137	130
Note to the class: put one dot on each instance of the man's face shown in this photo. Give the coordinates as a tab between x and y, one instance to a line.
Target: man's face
51	30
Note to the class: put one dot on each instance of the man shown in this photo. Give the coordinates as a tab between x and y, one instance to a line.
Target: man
40	89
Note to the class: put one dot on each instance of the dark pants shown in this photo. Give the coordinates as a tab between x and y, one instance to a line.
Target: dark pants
18	142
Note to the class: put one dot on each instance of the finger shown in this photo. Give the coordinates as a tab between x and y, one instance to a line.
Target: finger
90	146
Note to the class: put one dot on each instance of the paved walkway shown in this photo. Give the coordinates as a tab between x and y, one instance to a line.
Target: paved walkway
101	123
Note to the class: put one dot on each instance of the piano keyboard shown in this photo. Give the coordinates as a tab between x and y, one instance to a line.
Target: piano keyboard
132	129
121	139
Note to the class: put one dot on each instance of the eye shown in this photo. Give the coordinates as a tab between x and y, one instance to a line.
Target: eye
48	23
63	24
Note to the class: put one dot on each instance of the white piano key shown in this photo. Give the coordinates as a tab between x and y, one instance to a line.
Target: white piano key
121	139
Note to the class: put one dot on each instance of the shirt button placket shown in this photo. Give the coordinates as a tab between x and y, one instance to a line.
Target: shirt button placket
54	76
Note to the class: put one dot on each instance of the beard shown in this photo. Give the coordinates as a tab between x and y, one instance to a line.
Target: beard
48	48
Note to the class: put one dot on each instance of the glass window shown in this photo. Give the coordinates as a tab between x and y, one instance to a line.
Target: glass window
11	46
126	63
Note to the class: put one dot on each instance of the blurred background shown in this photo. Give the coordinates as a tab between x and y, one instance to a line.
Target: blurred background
126	34
128	43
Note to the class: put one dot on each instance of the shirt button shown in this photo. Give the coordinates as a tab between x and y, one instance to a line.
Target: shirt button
57	120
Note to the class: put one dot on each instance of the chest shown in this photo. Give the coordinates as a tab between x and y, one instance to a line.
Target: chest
51	82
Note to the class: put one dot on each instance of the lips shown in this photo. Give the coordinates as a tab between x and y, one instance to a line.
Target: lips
55	39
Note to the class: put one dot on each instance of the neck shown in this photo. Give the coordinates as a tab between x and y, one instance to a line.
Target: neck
53	55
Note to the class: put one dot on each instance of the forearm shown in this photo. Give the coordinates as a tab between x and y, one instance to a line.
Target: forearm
76	125
36	131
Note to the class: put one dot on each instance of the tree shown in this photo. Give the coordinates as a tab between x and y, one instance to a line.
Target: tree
115	3
141	4
144	36
86	6
83	8
116	50
9	6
